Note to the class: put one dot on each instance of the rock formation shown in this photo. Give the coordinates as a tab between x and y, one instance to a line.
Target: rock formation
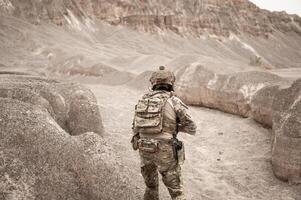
60	100
234	30
286	154
261	104
47	146
100	72
196	17
257	95
230	92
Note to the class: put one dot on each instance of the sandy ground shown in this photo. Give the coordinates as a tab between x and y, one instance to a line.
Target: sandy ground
228	159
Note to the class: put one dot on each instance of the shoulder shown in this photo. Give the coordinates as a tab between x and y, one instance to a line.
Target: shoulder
148	95
177	102
157	94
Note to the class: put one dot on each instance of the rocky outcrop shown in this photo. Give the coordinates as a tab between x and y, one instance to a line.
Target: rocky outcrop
196	17
39	160
286	154
100	72
261	105
47	147
71	105
232	92
258	95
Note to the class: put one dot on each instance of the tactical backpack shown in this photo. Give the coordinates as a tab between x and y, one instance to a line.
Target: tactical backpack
149	113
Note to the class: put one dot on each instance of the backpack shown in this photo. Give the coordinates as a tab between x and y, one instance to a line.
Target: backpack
149	113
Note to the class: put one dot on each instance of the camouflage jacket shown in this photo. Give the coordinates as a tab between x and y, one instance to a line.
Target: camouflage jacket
175	112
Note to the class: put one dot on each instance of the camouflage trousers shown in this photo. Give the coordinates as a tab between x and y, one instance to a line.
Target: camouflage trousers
162	161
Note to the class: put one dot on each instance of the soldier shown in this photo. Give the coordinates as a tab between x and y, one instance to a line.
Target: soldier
159	116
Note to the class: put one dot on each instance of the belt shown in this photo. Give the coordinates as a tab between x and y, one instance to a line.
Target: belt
160	140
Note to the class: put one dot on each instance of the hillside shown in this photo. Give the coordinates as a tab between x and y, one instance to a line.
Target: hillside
234	34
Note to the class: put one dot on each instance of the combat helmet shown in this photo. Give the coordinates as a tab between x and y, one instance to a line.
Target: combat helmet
162	76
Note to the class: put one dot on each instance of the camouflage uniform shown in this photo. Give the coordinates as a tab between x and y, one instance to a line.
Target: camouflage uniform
163	159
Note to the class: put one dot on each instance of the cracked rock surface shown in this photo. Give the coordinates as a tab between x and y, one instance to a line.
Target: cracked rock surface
51	145
286	154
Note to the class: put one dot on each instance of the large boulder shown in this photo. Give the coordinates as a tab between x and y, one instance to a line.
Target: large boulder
286	153
83	113
47	147
262	102
229	92
39	160
72	106
261	105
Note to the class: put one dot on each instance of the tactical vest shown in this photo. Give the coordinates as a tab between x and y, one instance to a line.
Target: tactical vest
149	114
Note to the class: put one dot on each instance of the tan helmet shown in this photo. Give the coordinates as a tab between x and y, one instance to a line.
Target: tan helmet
162	76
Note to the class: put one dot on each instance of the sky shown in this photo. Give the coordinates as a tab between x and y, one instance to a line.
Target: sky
290	6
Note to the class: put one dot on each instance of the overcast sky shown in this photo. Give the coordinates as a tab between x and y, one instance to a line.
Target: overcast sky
290	6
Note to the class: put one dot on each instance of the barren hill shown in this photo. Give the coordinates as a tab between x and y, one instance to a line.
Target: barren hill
235	33
219	17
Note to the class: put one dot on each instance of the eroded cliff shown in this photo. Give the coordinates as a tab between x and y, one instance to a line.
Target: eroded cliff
193	17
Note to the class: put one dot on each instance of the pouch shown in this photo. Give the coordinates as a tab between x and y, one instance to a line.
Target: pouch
135	142
149	146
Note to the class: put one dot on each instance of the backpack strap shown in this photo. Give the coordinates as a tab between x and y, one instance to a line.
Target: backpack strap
171	104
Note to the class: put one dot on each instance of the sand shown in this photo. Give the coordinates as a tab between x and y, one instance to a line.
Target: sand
228	159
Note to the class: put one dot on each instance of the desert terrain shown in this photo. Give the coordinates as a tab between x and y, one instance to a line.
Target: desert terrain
230	75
